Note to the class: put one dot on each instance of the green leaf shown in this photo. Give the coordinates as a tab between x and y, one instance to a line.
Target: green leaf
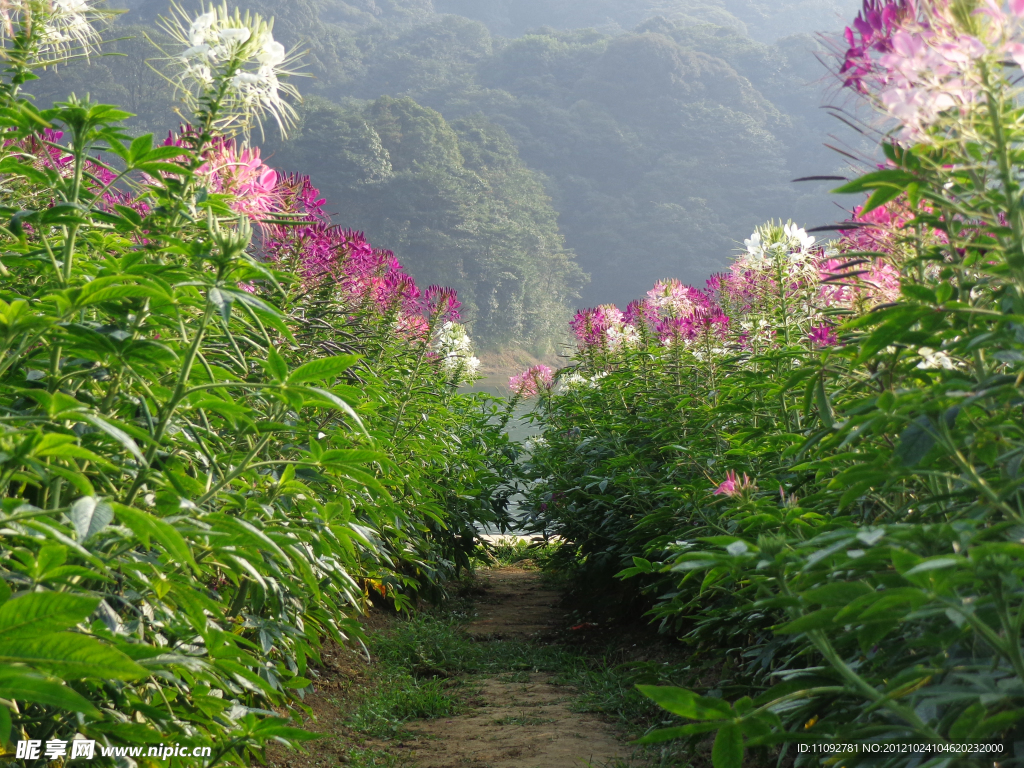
350	456
915	442
684	703
937	563
249	534
880	197
727	751
70	656
122	437
90	515
838	593
38	613
276	366
222	301
816	620
322	369
888	178
969	719
147	527
22	685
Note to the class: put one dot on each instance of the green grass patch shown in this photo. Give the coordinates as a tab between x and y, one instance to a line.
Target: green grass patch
395	700
372	758
521	552
433	645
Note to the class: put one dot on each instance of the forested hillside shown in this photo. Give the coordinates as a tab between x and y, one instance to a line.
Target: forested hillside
647	137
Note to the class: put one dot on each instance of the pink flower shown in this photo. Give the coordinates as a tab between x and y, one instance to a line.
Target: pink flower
732	486
822	336
532	381
297	195
640	313
590	327
442	303
872	32
240	172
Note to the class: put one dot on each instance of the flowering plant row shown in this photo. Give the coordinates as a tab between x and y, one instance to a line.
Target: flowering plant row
226	424
810	470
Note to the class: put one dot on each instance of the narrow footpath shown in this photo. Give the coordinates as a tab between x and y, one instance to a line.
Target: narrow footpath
520	720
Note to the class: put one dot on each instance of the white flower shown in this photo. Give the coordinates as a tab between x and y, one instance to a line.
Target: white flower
932	359
622	336
793	232
271	52
200	26
71	6
737	548
202	50
452	344
753	244
237	49
234	35
577	380
245	78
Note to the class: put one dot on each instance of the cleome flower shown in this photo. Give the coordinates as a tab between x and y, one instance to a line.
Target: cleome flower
532	381
59	28
919	61
733	486
934	360
230	68
452	346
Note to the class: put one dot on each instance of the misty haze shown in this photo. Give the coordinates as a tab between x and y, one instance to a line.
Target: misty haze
541	155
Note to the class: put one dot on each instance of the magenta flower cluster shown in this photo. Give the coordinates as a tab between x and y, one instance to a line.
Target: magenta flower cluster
921	59
322	254
734	486
532	381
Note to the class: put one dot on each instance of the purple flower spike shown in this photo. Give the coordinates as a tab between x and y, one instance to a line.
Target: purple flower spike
442	303
823	336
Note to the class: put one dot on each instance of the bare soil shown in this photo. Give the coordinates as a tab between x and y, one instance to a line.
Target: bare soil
514	720
520	720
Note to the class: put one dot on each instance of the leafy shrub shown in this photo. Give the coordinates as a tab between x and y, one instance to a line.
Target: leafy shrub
811	469
227	423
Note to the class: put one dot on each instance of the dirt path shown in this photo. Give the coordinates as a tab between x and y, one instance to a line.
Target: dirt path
521	720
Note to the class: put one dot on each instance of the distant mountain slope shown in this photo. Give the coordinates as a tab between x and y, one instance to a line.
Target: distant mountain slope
764	20
662	131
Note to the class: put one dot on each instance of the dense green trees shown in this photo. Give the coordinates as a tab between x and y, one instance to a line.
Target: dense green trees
454	201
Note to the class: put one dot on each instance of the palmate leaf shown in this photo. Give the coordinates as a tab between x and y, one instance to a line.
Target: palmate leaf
22	685
149	528
38	613
90	515
70	656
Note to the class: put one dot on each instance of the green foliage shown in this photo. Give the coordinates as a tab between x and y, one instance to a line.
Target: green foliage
394	701
207	468
833	527
456	199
